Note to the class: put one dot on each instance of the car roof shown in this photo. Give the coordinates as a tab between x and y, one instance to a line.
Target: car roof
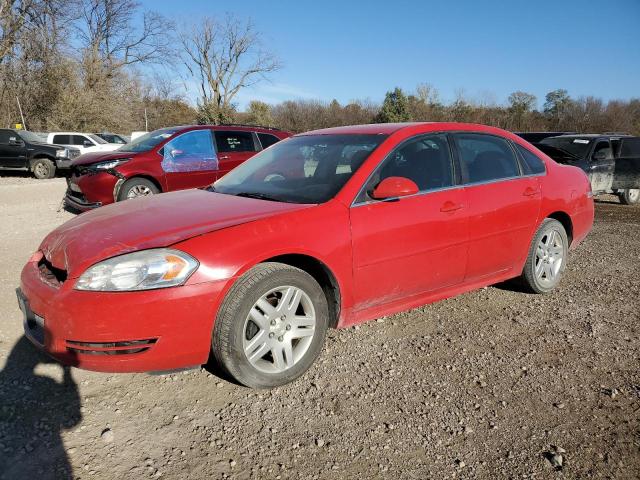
230	126
390	128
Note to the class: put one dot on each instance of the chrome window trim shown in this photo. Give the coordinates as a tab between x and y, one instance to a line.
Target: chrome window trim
463	185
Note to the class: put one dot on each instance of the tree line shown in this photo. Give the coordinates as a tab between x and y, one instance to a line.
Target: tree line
96	65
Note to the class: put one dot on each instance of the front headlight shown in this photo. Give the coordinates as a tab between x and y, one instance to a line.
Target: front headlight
143	270
109	164
62	153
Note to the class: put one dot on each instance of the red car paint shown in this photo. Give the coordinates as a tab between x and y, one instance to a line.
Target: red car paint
385	257
89	190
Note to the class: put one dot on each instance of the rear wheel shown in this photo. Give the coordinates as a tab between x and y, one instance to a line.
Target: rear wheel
137	187
271	326
547	257
43	168
629	196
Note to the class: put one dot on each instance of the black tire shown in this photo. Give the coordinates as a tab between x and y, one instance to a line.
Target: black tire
231	326
530	277
43	168
629	196
137	183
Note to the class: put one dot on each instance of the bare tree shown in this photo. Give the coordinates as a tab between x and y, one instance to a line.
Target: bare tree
224	57
112	41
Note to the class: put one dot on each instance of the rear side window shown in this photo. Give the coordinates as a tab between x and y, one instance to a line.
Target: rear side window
267	140
62	139
229	141
485	158
531	163
630	147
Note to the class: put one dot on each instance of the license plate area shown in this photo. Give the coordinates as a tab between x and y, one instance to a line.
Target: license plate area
33	324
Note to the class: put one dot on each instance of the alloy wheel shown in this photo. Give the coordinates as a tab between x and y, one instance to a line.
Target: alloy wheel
549	258
139	191
279	329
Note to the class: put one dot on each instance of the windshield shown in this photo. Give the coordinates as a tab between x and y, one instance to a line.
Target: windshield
572	146
147	141
30	137
305	169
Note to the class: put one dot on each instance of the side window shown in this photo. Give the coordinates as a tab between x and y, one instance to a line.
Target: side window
79	140
4	136
62	139
602	151
426	160
484	158
630	147
190	152
267	140
229	141
531	163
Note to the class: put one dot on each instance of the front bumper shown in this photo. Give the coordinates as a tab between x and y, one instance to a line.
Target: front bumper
162	329
63	162
91	190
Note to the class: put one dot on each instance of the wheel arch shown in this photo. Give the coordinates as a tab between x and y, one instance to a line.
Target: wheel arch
565	219
122	180
322	274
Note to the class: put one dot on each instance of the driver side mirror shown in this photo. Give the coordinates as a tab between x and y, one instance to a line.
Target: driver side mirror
394	187
14	142
87	143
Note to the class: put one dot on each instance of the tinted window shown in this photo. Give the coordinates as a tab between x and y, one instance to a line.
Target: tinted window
228	141
630	147
190	152
267	140
425	160
569	146
484	158
79	140
5	135
304	169
531	163
62	139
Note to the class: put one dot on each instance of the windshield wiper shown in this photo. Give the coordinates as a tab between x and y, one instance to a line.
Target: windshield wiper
259	196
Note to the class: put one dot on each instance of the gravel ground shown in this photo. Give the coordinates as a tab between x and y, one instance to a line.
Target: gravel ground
491	384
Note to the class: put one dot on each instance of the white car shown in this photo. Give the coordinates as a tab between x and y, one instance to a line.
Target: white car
85	142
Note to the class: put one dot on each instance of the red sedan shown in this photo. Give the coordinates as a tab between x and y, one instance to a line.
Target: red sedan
165	160
326	229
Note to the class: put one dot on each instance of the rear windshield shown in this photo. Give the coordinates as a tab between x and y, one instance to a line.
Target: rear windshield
148	141
571	146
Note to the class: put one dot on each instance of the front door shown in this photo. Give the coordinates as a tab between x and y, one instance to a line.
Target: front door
189	160
601	166
234	147
503	204
13	152
413	244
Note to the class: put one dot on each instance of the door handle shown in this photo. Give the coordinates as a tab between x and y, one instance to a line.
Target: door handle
224	157
530	192
450	207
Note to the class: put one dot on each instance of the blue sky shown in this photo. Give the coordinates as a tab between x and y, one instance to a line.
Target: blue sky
487	48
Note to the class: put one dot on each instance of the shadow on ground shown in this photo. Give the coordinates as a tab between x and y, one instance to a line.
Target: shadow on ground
34	411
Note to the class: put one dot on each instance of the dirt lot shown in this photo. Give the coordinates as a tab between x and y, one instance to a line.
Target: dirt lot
488	385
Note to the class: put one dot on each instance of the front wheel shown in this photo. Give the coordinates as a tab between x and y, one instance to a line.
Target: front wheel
547	257
43	168
629	196
137	187
271	326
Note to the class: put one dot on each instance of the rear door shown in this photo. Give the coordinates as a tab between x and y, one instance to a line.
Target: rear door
627	164
234	147
503	204
413	244
189	160
13	151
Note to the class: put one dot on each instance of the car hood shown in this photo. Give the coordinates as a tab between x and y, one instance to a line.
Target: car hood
95	157
151	222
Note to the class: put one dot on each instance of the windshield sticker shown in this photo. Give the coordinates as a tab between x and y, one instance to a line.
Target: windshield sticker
580	140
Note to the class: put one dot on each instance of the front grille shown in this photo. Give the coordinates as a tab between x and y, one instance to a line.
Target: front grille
50	274
111	348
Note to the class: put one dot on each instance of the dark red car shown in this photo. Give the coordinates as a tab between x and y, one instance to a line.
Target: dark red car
325	229
174	158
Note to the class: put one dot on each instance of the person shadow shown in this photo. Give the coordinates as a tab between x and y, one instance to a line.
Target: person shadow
34	411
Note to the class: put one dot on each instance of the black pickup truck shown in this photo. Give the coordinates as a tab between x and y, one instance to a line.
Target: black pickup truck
612	162
23	150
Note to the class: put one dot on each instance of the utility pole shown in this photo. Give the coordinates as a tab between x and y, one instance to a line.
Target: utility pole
146	121
24	125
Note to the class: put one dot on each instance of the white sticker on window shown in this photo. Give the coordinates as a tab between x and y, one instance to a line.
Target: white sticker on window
580	140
